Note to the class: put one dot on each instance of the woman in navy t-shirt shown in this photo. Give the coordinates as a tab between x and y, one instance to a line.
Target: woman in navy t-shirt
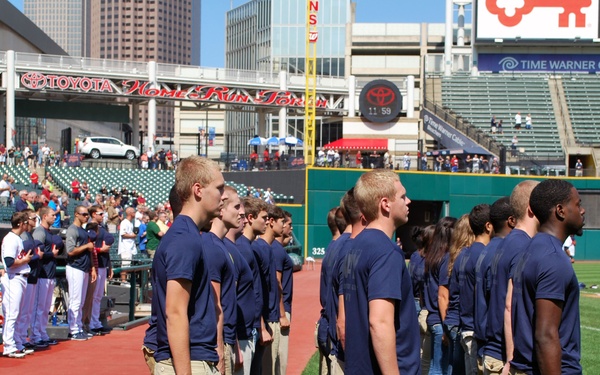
436	270
421	237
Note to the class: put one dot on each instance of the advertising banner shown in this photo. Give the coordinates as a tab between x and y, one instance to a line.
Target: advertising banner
444	133
537	19
497	62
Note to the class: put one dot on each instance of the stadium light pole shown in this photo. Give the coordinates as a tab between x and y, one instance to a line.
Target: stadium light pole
448	39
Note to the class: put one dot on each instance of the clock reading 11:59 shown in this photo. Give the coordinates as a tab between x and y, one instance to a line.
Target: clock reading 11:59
380	101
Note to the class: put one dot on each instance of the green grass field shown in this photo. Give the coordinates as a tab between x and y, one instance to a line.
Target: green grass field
587	273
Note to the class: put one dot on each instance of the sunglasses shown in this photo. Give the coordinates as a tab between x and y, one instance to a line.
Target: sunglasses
83	214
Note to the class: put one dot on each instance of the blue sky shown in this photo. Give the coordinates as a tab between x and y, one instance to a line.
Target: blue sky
374	11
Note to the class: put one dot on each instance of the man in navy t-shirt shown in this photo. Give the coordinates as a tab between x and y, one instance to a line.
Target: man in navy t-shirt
503	221
340	231
545	299
187	342
245	297
284	268
256	214
382	333
479	220
335	294
263	252
221	271
511	247
149	345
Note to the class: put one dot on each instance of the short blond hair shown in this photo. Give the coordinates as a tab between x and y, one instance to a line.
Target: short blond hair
192	170
371	187
519	198
231	192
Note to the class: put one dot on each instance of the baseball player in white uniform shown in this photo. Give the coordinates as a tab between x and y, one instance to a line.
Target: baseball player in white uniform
79	264
16	263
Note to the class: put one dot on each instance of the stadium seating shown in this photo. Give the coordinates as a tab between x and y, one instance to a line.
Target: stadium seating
582	93
153	184
477	99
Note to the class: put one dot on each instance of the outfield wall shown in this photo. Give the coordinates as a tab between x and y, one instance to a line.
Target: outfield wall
458	192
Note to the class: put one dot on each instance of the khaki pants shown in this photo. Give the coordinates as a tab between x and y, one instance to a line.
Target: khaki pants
151	253
149	358
425	342
469	345
247	349
198	368
492	365
229	358
270	360
337	366
284	341
513	371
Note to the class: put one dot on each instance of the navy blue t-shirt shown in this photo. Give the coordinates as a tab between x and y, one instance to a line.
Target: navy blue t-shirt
325	264
245	296
180	255
284	264
48	269
103	257
35	265
76	237
467	288
245	247
416	268
270	286
375	269
433	279
334	290
545	272
510	249
221	270
150	335
483	285
454	288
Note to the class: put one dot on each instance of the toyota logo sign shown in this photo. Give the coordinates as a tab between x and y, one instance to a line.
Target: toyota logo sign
380	101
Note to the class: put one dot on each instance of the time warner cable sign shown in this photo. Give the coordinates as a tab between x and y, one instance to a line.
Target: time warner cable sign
537	19
497	62
442	132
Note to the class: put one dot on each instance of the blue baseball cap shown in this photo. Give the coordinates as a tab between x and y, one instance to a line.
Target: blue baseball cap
109	239
92	235
57	241
28	245
39	245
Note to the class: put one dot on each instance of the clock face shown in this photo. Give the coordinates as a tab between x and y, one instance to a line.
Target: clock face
380	101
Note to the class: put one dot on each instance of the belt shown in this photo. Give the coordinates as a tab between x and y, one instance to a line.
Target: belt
22	274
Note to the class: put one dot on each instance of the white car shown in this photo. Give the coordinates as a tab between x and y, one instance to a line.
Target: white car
97	147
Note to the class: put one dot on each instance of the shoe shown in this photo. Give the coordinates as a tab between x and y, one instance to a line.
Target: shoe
106	330
15	355
29	345
96	332
80	336
88	334
51	342
26	351
41	344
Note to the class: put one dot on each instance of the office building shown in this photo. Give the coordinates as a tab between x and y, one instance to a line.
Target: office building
270	36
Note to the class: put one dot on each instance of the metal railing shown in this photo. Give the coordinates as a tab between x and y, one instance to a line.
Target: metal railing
139	69
466	127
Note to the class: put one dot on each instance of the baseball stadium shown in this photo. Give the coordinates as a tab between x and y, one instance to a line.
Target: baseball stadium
463	112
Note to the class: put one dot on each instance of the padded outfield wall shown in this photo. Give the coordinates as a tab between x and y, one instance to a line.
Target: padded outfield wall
453	193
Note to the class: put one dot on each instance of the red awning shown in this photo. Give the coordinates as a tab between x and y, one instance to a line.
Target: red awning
358	144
